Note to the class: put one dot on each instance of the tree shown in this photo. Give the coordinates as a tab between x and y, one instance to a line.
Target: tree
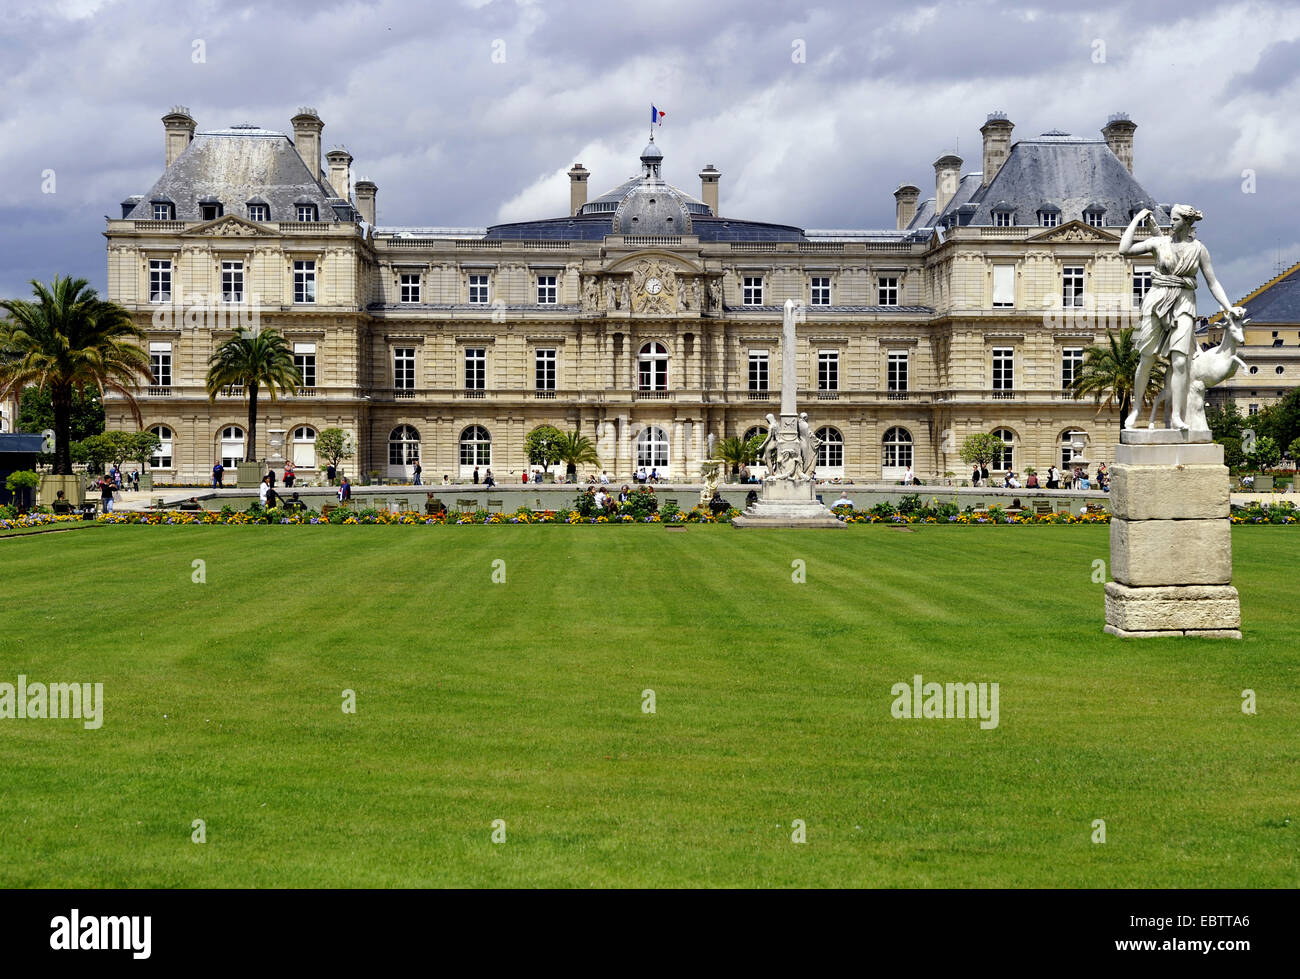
737	451
576	450
1233	457
1225	421
1266	453
1293	450
542	446
253	360
1281	420
141	445
334	445
1108	372
70	341
114	447
36	412
982	447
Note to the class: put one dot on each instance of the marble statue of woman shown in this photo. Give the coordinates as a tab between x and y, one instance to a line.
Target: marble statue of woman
1167	327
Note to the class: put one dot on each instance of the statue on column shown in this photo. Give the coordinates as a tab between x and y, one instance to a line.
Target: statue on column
1168	324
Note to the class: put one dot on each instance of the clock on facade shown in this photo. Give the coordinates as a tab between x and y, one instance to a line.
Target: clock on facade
653	286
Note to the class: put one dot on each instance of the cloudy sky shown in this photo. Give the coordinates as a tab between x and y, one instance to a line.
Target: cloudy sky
468	113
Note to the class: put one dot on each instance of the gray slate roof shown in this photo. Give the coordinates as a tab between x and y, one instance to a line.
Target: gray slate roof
235	166
1278	302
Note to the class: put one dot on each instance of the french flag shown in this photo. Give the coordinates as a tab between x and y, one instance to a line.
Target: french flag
656	116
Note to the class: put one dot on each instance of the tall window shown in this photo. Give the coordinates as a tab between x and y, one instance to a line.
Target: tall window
758	376
896	371
160	364
160	280
409	287
652	448
1004	286
828	370
887	290
162	457
478	289
653	367
232	446
752	290
306	212
544	368
896	449
547	290
403	446
475	368
1004	368
232	282
304	447
475	447
304	281
404	368
1005	460
1072	285
1068	451
821	290
830	454
258	212
1141	286
304	358
1071	364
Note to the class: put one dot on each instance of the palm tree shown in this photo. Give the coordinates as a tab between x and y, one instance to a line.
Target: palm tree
70	340
575	450
1108	372
737	452
253	360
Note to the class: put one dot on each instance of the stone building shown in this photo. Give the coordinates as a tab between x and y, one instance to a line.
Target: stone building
646	318
1272	348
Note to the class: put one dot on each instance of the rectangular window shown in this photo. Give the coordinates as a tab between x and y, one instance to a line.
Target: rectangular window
475	368
478	289
1093	218
828	370
1071	365
304	282
404	368
160	364
210	212
752	290
257	212
1049	219
821	290
1003	219
1253	410
306	212
547	290
896	371
304	358
1004	285
409	286
758	365
1072	285
1141	286
162	212
232	282
545	368
1003	368
160	280
887	290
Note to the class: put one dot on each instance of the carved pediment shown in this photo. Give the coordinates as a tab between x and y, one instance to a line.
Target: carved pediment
1074	231
229	226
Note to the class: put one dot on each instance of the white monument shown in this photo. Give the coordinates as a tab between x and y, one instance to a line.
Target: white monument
1170	533
788	497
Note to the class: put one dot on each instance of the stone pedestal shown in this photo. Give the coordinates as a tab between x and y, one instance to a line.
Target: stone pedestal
249	474
787	503
74	489
1170	538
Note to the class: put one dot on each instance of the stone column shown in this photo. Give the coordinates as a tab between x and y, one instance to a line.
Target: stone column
1170	539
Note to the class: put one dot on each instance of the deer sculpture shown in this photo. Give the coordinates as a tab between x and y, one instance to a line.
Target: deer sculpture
1209	367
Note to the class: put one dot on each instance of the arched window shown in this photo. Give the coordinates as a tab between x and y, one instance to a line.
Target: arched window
653	361
232	446
475	447
304	447
896	449
1005	460
652	449
162	458
403	446
830	454
757	431
1068	449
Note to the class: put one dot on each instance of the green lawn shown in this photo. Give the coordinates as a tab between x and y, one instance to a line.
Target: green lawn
522	701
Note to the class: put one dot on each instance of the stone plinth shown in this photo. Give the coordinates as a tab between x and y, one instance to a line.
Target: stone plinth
1170	539
787	503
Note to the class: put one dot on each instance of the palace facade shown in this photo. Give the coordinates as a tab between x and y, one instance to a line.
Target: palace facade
644	318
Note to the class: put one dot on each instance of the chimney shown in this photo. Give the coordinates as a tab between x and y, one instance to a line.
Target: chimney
1119	137
709	178
366	191
340	171
178	125
997	144
905	199
578	175
306	138
947	175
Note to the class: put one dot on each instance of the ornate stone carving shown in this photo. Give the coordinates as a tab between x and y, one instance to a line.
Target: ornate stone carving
653	287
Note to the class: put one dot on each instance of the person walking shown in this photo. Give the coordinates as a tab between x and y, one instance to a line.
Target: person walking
106	493
330	473
975	474
218	476
984	474
264	489
476	475
344	490
288	475
418	470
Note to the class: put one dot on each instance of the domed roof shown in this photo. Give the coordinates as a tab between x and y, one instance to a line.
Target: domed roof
647	205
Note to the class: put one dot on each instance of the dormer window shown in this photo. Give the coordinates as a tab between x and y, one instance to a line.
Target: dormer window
163	211
210	209
306	212
1094	216
1004	219
258	212
1049	216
